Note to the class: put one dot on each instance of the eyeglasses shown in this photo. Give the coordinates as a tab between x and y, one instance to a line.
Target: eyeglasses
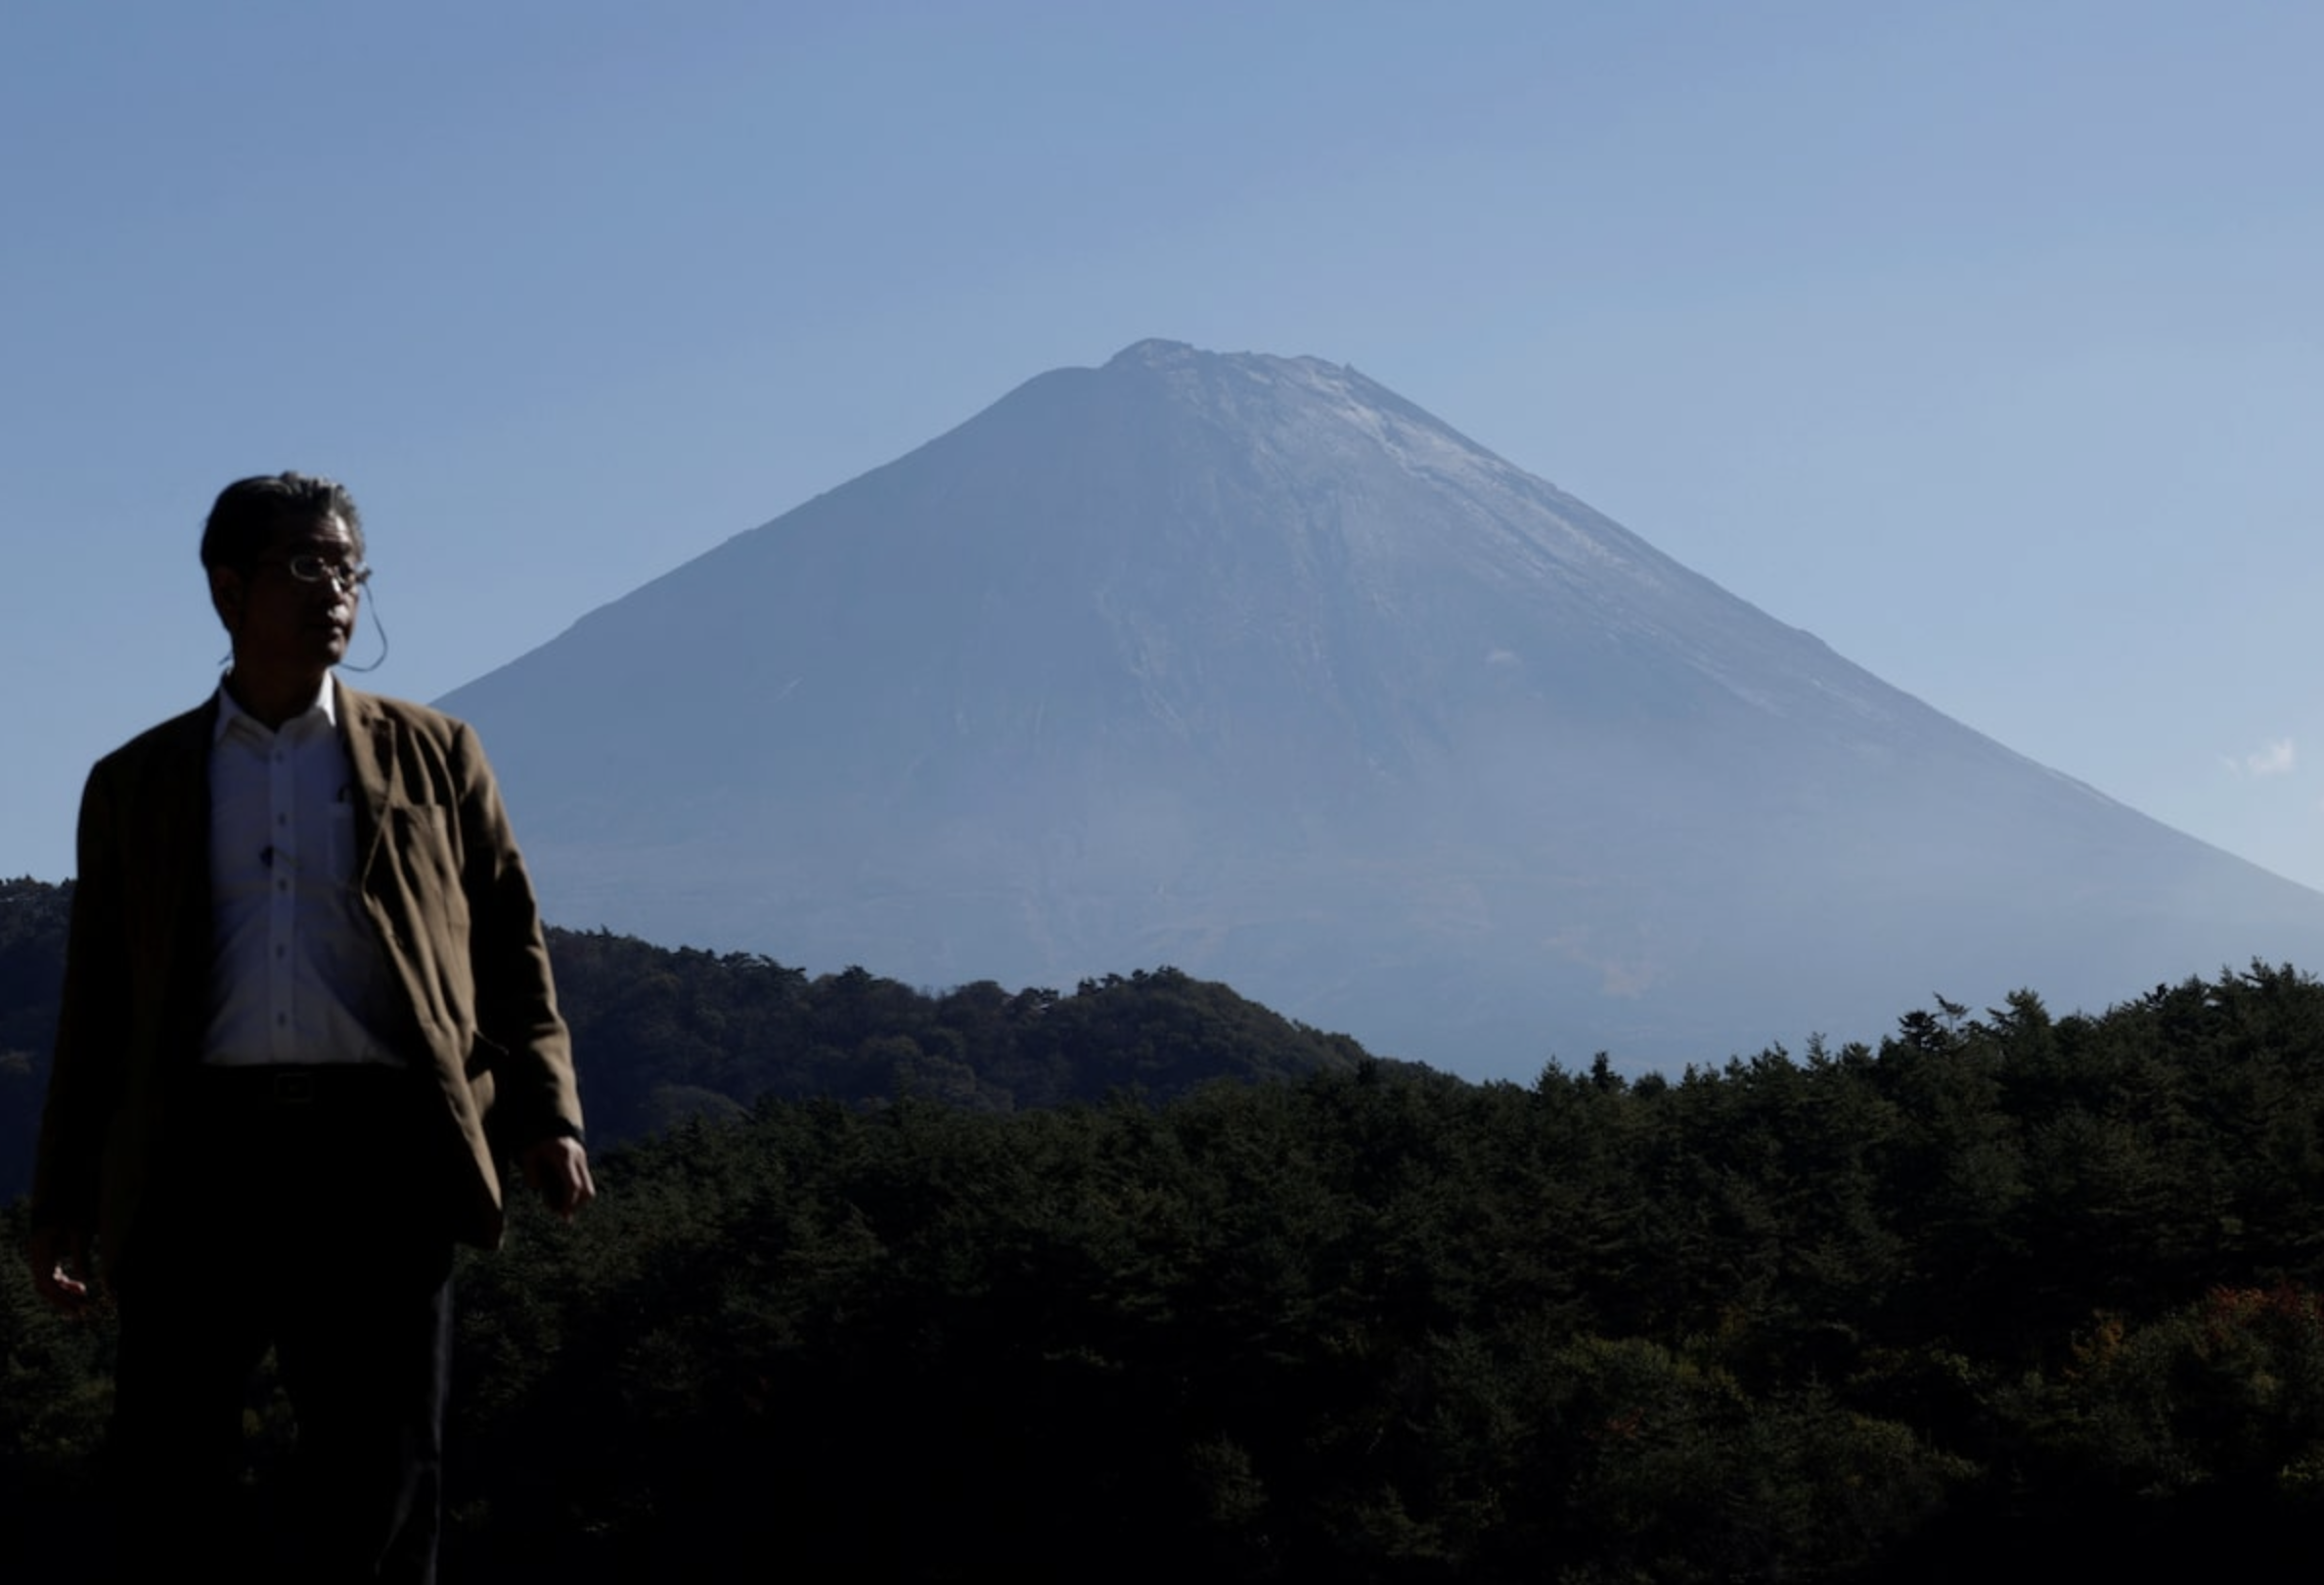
324	569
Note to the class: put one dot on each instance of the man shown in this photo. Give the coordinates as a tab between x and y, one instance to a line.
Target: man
308	1014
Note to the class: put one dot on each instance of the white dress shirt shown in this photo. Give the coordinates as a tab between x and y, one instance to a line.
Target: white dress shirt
297	975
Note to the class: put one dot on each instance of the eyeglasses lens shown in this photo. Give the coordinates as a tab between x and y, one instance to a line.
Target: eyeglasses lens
317	569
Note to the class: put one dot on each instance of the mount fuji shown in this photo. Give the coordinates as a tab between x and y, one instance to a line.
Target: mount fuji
1248	666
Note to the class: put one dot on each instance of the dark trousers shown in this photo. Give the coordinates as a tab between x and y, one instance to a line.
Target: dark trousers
297	1212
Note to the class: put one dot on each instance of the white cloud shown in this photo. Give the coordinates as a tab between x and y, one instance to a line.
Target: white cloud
2271	759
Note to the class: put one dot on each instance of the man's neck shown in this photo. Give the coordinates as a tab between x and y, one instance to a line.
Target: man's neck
272	701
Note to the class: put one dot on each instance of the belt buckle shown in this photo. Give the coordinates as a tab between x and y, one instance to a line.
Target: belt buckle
295	1088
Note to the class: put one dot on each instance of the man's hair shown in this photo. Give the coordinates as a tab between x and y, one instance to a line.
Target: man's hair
249	510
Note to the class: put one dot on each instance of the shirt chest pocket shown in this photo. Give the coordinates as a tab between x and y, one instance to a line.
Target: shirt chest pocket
340	841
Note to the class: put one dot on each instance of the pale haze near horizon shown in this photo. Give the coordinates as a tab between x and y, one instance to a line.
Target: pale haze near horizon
1982	342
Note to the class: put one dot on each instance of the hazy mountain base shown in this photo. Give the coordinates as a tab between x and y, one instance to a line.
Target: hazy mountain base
2010	1284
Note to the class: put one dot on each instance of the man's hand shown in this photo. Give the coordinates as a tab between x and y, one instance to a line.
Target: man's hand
559	1169
60	1260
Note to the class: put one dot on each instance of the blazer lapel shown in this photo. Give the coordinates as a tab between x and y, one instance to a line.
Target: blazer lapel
187	798
370	737
180	815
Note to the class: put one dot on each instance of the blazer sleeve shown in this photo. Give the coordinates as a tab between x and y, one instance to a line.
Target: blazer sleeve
525	1045
91	1057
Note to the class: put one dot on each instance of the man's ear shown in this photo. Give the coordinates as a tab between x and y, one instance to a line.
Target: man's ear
227	591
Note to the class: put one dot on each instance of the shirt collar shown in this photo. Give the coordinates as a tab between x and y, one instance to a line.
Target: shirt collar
229	712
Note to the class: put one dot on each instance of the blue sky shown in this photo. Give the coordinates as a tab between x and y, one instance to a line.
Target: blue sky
1982	341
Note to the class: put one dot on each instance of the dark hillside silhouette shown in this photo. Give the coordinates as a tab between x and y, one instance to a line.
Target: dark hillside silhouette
2012	1283
667	1035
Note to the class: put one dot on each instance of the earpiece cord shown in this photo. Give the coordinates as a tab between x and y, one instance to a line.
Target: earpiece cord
372	604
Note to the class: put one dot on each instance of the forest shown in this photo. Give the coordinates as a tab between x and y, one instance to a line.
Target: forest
1241	1302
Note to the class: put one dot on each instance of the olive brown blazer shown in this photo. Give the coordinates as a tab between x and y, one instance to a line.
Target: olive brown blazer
445	888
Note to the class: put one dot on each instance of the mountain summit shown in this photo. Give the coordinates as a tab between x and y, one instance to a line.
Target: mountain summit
1248	666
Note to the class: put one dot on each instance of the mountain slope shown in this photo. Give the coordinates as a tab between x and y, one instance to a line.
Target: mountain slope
1248	666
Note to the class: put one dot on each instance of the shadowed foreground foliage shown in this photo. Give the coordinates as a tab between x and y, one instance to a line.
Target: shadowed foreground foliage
2010	1283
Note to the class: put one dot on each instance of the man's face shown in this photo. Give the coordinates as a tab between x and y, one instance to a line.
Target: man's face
282	624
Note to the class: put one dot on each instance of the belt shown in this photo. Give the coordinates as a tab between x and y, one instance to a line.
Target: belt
320	1086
